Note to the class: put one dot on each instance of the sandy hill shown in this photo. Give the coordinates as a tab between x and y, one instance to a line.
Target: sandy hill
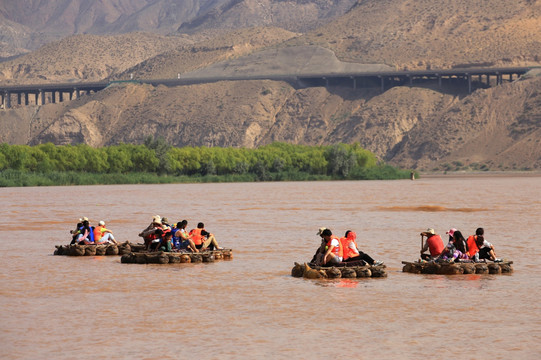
26	25
411	34
207	51
86	57
293	15
424	128
33	23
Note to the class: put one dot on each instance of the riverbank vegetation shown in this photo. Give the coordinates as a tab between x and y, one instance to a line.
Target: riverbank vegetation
157	162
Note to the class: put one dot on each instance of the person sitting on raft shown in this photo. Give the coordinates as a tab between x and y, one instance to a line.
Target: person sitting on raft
103	235
317	258
149	234
351	251
77	231
434	243
334	252
486	249
165	224
203	239
182	238
163	242
473	250
456	249
86	235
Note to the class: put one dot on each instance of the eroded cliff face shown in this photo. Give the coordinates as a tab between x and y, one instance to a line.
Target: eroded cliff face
409	127
497	128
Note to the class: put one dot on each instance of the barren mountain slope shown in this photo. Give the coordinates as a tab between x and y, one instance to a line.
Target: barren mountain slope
383	121
199	55
435	34
250	114
497	128
293	15
14	38
51	20
86	57
54	19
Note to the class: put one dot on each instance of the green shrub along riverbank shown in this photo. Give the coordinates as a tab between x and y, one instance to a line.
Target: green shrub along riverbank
156	162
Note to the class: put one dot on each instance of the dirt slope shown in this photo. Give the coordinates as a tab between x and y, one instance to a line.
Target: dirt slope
293	15
411	34
86	58
499	128
204	52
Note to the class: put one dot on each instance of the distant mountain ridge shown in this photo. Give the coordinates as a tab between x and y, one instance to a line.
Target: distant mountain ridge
26	25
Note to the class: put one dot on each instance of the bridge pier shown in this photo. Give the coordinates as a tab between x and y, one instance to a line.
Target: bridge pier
7	100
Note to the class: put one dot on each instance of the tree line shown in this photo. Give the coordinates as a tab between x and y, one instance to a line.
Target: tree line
270	162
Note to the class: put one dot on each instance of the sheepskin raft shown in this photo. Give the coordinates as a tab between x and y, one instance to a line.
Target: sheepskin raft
95	250
161	257
457	268
311	271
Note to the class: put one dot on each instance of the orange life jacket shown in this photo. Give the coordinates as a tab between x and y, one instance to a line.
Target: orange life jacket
337	250
472	246
348	252
197	238
97	233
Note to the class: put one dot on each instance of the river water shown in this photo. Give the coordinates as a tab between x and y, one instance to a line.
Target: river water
251	308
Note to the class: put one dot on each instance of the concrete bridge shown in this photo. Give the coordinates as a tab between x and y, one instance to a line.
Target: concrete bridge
468	79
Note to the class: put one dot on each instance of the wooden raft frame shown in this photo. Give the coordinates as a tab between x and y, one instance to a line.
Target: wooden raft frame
310	271
458	268
94	250
161	257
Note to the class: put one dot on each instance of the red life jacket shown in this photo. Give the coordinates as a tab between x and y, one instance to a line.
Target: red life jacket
345	242
153	236
197	238
337	250
472	246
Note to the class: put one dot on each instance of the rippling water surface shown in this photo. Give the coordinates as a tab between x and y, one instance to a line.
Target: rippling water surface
95	307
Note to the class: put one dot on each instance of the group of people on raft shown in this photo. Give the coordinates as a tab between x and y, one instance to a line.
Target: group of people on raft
334	250
161	236
473	249
86	234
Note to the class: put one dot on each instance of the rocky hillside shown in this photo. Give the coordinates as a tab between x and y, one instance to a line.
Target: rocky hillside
420	34
414	127
86	58
26	25
33	23
293	15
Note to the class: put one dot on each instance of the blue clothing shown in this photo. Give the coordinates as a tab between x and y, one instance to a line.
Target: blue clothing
175	240
183	245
